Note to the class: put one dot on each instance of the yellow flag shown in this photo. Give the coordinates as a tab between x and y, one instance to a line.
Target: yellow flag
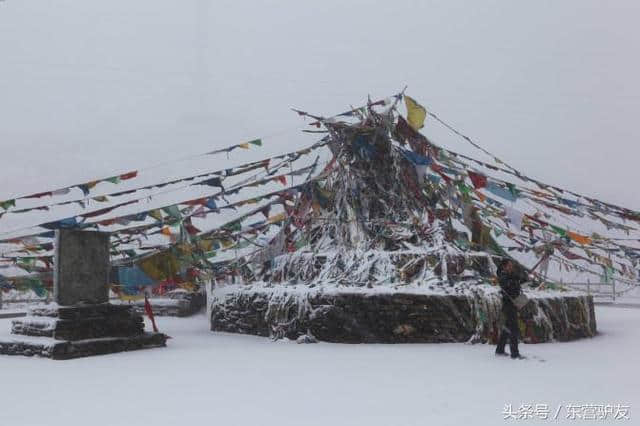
160	266
277	218
156	214
205	245
415	113
226	243
128	298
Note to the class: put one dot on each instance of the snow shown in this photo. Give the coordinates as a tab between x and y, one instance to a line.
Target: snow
230	379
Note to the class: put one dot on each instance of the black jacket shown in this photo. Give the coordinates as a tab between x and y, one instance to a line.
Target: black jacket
510	285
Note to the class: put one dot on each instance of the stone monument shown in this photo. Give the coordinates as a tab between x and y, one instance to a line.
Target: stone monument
82	322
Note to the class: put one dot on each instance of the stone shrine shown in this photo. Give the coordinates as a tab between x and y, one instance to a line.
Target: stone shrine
82	322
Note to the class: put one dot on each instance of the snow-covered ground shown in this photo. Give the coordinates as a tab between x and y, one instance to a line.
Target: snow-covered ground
223	379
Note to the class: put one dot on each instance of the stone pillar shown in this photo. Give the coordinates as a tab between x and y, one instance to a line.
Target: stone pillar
83	323
81	273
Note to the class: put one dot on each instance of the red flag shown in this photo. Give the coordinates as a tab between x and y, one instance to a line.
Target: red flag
149	312
197	202
129	175
40	195
479	181
192	230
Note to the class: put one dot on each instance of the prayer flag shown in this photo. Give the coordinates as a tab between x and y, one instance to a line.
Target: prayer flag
581	239
416	113
129	175
479	181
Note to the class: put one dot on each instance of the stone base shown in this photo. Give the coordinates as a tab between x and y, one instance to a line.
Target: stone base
361	317
81	348
67	332
80	322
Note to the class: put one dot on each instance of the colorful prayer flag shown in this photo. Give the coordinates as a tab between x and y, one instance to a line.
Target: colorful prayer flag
416	113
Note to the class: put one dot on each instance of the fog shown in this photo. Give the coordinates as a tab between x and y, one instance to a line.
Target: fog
92	88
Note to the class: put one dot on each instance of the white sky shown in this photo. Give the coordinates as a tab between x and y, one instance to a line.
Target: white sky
92	88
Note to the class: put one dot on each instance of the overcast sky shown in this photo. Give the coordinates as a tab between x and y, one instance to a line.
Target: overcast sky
91	88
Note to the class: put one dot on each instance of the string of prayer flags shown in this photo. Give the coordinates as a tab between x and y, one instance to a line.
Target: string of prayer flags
116	179
601	206
88	186
188	246
360	111
68	223
215	181
209	202
106	209
244	145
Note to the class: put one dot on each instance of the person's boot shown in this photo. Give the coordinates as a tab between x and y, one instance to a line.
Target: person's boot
514	352
500	350
502	342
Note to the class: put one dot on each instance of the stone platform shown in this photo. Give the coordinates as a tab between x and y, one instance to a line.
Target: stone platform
397	317
174	304
67	332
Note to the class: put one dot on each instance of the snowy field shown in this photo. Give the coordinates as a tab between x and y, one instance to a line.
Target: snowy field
223	379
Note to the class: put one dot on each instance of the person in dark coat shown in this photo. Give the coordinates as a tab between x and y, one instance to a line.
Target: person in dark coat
510	277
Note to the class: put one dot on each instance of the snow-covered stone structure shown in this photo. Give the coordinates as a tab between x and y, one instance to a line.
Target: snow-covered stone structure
81	322
383	246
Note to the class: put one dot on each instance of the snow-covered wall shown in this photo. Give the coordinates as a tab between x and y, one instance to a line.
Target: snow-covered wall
375	316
